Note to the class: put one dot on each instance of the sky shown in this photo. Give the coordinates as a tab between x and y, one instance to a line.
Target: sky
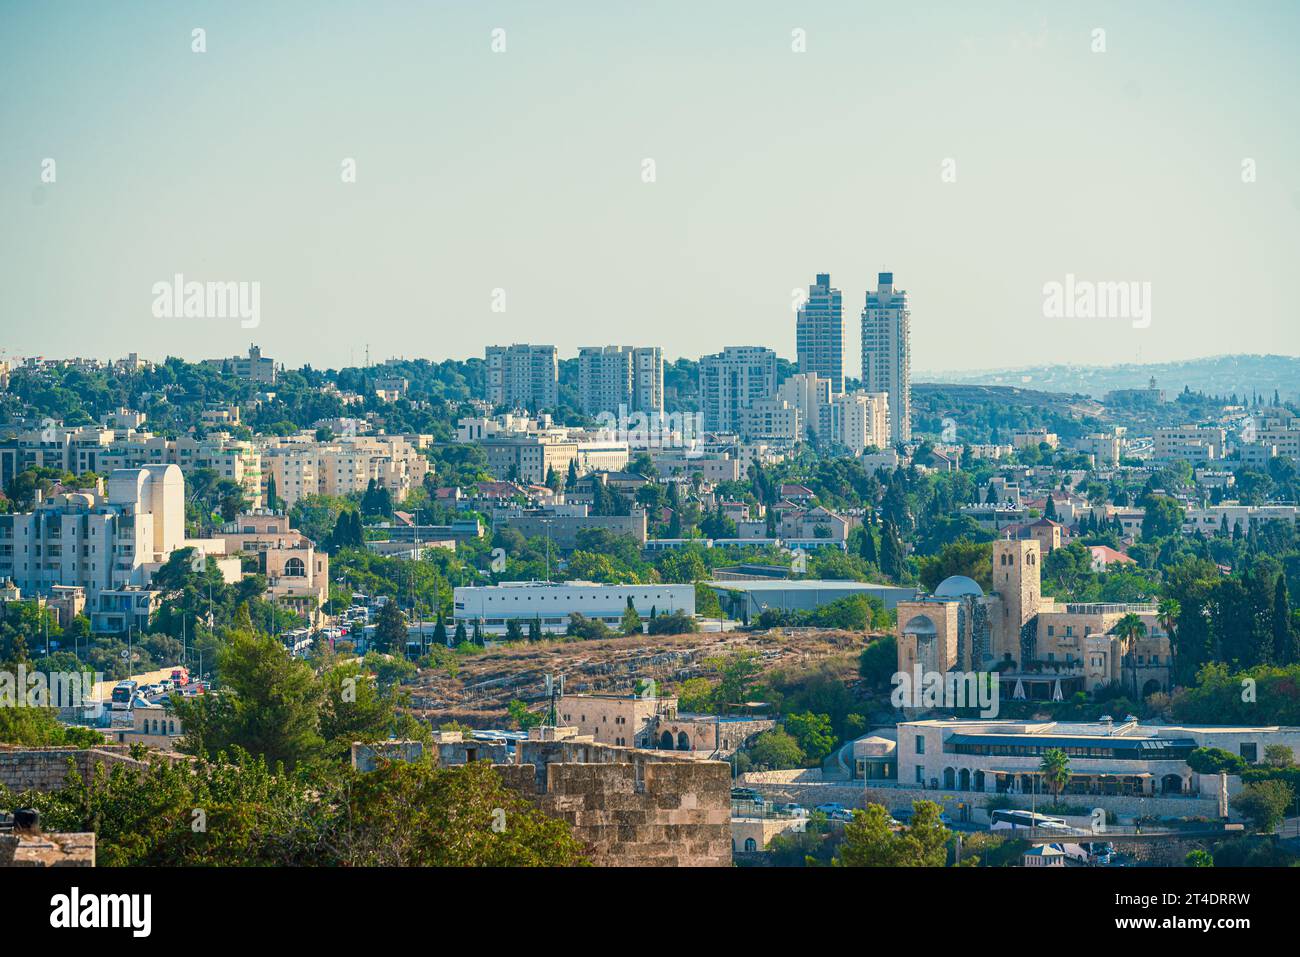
977	150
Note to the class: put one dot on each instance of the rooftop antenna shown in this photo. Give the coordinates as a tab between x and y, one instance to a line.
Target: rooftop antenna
554	691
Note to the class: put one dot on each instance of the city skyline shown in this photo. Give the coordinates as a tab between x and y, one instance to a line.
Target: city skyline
1039	164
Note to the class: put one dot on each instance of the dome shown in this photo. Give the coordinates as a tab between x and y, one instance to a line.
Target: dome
958	586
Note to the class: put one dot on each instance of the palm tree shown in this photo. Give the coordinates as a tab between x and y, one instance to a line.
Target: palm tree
1167	613
1055	769
1129	629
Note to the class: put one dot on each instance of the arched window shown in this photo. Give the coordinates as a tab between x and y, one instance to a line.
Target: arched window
683	741
294	568
751	844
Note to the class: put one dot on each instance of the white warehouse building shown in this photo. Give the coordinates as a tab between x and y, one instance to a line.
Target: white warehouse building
492	607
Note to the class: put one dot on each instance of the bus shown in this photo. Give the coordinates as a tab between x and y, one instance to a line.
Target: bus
123	692
1015	820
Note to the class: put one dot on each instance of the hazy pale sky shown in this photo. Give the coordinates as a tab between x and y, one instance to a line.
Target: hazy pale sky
523	171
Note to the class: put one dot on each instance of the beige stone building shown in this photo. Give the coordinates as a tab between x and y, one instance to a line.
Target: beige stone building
1041	648
635	721
300	465
297	573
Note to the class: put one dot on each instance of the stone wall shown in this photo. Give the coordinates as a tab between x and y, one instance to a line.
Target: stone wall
46	769
631	808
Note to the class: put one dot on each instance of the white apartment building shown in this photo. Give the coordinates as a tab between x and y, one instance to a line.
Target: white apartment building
860	421
810	393
819	333
1188	443
733	380
1274	433
1104	447
108	544
1210	519
522	376
774	419
493	607
121	446
612	378
887	352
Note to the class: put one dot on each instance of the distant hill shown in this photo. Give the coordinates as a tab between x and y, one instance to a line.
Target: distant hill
1216	375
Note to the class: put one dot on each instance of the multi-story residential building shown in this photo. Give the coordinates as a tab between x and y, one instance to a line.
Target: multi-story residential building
774	420
1272	433
300	465
819	332
1033	438
1235	516
1041	649
108	543
522	376
712	468
612	378
119	446
493	607
732	380
887	352
255	367
810	393
561	524
1188	443
532	458
1104	447
860	421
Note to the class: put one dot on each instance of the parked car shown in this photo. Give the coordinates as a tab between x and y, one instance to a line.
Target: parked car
829	808
791	809
1099	852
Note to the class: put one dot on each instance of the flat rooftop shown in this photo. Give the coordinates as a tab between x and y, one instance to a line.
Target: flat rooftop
808	584
1086	729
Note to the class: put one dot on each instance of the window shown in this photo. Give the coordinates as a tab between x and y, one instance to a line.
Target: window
920	744
1250	752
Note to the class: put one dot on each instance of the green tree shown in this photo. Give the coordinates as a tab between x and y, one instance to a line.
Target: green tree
631	620
776	750
269	705
523	718
1055	769
390	629
814	733
1264	803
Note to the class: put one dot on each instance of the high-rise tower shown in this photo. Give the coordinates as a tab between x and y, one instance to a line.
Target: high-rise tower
819	332
887	352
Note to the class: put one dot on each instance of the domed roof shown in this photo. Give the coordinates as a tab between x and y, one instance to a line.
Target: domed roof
958	586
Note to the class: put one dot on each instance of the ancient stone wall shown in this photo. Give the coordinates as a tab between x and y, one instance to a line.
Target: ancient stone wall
46	769
631	808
